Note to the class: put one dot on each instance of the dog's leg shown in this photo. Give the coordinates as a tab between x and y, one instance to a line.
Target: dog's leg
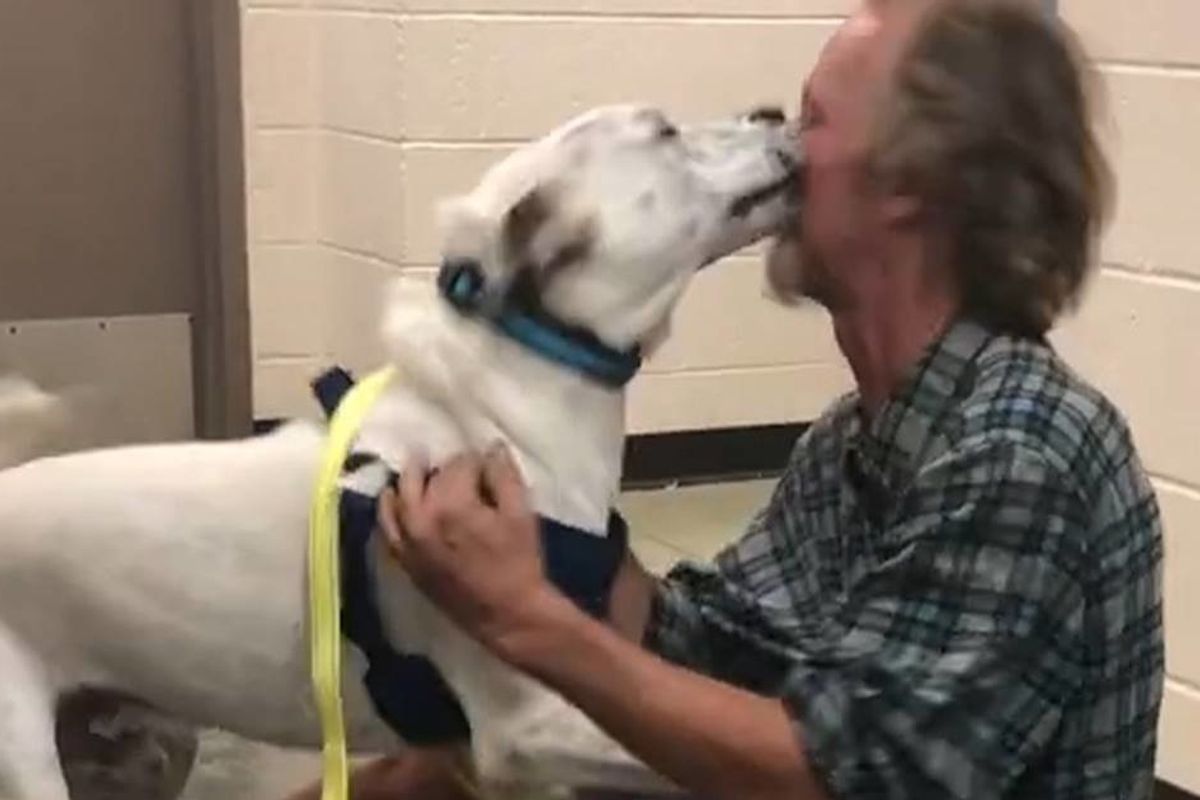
29	768
114	746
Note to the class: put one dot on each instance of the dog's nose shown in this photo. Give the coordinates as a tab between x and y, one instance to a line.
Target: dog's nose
767	115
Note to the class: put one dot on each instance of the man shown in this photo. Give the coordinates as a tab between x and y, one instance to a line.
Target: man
955	590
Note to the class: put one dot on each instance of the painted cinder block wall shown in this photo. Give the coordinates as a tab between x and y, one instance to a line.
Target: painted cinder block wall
361	114
1138	335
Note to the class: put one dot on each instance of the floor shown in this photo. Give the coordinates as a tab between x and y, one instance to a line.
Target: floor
666	526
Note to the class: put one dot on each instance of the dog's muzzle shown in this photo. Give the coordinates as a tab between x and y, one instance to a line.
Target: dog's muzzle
788	186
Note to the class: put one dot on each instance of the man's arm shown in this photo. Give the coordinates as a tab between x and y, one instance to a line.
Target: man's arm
480	561
709	737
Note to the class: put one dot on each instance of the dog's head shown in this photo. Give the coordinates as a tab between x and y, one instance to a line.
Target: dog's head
608	217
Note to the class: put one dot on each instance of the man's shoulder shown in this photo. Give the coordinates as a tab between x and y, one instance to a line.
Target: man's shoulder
1023	392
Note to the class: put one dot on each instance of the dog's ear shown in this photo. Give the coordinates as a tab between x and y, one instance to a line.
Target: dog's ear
523	223
543	235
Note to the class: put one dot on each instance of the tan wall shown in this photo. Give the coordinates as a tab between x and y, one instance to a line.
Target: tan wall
1139	334
363	113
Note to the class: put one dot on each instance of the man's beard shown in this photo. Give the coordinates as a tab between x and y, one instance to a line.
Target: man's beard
796	272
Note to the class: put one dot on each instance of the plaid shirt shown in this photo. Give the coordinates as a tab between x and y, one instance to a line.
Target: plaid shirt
961	599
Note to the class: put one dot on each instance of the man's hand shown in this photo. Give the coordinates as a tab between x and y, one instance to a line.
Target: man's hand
468	538
415	775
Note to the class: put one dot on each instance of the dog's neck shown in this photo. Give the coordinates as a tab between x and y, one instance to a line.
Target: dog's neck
462	386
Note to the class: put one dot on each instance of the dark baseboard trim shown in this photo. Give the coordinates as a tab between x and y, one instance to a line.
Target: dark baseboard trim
692	457
265	426
710	456
1165	791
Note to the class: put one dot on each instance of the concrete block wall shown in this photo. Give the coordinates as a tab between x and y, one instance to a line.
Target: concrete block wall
1138	335
362	113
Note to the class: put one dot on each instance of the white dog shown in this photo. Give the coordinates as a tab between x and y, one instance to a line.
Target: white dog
175	573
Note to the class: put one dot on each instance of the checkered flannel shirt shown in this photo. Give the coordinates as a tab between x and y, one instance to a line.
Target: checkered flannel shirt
960	599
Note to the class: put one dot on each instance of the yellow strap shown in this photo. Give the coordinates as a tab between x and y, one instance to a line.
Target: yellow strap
324	579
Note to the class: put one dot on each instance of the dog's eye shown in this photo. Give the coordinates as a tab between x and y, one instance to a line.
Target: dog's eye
668	131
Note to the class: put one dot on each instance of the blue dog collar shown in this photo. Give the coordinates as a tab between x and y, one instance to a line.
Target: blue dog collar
462	284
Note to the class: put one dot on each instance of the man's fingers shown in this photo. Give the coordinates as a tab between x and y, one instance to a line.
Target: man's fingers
502	480
389	512
409	499
456	485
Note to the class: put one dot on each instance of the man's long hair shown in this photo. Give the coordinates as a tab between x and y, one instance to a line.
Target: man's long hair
990	123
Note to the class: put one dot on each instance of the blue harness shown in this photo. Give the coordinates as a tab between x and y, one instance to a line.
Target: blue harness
407	691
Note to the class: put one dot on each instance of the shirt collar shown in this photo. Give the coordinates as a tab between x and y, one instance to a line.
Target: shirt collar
918	416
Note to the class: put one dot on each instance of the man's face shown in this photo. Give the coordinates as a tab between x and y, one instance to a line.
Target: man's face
837	219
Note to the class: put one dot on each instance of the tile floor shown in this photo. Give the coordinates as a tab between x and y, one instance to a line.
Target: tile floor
666	526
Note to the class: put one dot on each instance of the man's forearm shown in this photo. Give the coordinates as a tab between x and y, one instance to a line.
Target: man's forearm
706	736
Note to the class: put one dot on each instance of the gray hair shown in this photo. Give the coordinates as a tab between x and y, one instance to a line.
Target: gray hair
989	122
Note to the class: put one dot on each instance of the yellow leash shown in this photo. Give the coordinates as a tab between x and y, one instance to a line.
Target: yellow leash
325	592
324	583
